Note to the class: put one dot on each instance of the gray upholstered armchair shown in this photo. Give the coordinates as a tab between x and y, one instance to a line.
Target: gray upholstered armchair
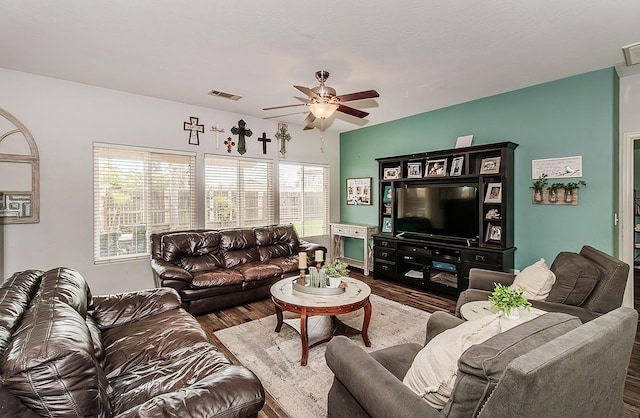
551	366
588	284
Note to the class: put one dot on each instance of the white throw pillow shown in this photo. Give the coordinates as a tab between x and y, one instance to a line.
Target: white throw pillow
537	279
434	370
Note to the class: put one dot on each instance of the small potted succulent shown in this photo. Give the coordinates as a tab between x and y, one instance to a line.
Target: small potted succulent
538	186
570	187
507	300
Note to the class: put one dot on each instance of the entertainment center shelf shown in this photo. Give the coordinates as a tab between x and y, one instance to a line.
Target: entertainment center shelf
444	212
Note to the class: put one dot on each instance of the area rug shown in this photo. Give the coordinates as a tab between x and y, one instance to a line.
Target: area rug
275	357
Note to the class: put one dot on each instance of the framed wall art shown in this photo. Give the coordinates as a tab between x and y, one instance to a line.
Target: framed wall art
359	191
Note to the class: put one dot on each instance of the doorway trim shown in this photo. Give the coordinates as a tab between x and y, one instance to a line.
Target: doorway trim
626	209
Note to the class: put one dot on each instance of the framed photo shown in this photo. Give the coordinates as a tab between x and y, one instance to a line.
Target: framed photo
492	214
557	168
414	170
494	193
456	166
494	233
387	225
391	173
437	168
388	194
490	165
359	191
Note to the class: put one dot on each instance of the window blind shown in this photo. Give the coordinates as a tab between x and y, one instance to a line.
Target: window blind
304	197
238	192
138	192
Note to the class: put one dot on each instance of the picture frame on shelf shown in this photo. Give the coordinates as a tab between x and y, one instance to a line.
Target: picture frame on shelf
387	224
359	191
490	165
437	168
494	193
492	214
494	233
456	166
388	208
414	170
388	194
391	173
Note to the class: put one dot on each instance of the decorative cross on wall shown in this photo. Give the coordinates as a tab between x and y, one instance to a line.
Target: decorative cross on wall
229	144
283	136
194	130
264	141
217	129
242	132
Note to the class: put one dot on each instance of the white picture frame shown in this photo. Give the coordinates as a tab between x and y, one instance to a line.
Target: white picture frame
436	168
414	170
494	193
490	165
557	168
391	173
456	166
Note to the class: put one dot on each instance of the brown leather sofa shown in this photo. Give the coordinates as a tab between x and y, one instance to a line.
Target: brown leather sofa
137	354
215	269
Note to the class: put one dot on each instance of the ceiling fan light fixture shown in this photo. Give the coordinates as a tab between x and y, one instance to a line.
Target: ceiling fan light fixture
323	110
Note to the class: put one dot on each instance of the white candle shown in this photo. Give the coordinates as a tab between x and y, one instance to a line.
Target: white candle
302	261
319	256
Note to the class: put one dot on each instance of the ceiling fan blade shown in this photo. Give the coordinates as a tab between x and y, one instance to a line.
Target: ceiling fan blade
283	107
310	93
308	120
351	111
368	94
286	114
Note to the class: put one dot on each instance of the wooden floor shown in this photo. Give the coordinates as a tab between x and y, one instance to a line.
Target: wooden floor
416	298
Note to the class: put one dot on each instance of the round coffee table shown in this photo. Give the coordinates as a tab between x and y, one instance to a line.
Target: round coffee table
324	325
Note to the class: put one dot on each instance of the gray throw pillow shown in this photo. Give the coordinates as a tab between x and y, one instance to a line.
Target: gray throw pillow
576	277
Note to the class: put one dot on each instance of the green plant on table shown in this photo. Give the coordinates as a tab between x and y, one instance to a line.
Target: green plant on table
505	298
336	269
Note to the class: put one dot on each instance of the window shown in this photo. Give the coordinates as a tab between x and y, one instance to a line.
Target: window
138	192
304	198
238	192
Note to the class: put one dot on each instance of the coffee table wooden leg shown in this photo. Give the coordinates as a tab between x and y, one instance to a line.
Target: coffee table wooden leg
279	317
365	325
305	339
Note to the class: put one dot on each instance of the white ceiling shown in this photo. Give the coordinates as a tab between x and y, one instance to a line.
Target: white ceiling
419	55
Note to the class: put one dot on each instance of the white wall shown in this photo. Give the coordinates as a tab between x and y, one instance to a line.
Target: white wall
65	119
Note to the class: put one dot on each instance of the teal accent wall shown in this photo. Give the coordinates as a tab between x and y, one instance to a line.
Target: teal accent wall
567	117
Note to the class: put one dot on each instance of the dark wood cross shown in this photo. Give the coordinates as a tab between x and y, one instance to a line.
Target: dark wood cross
264	141
229	143
242	132
283	136
194	130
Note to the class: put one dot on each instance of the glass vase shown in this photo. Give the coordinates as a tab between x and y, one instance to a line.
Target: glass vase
568	196
553	196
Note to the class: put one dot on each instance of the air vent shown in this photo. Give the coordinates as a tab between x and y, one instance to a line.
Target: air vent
224	95
631	53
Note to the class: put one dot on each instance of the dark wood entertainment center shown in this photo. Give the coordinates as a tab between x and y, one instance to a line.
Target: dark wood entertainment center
441	262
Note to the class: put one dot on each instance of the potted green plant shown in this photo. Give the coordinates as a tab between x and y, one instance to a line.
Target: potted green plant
538	186
553	191
570	187
507	300
335	270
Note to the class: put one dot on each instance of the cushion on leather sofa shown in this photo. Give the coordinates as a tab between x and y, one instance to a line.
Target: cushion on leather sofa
15	294
576	277
239	247
481	366
258	270
219	277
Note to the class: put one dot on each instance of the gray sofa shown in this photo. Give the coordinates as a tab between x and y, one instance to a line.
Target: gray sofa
551	366
588	284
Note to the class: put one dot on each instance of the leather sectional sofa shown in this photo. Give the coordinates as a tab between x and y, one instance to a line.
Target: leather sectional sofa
215	269
136	354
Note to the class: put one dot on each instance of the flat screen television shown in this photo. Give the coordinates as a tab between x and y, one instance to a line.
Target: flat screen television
440	211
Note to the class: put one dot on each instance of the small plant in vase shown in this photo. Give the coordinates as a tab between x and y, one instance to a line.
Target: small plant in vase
336	270
553	191
570	187
538	186
507	300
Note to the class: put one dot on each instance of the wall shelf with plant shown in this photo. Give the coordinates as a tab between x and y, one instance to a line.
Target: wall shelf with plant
555	193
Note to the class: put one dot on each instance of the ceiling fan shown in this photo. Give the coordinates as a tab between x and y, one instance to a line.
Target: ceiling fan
322	101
